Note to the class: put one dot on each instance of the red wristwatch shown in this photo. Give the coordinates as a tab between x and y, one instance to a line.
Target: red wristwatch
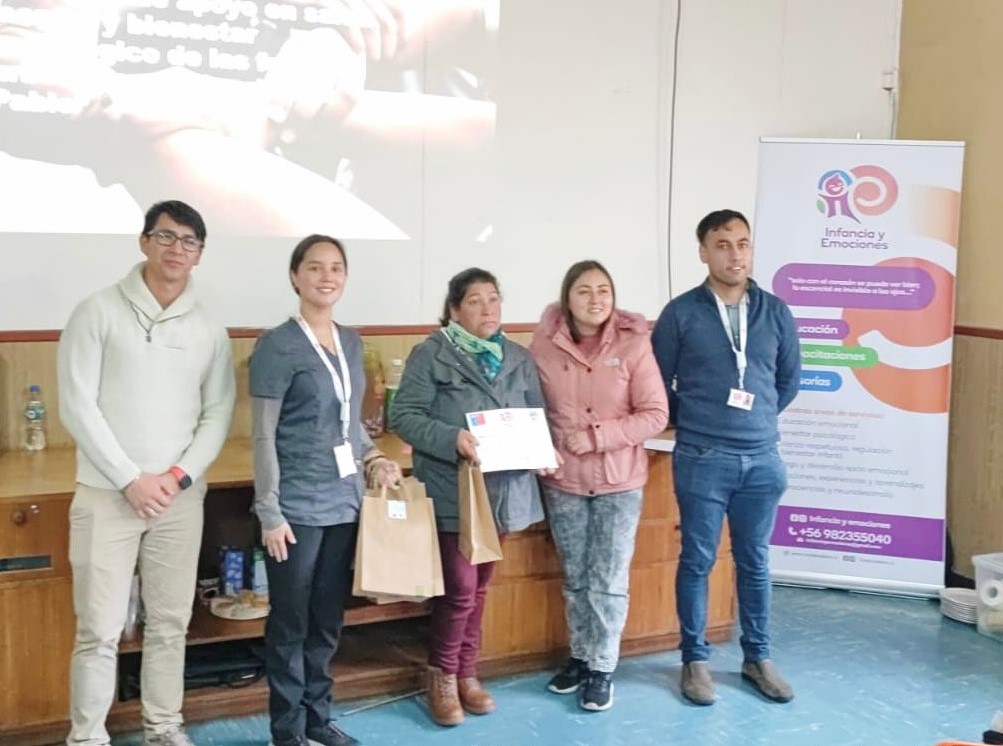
184	481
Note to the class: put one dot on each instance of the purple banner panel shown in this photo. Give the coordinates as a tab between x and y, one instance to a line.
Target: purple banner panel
854	286
863	533
822	328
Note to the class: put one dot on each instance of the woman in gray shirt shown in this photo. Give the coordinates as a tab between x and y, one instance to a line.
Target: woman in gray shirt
310	456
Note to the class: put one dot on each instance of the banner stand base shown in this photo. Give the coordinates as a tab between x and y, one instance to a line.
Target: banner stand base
859	585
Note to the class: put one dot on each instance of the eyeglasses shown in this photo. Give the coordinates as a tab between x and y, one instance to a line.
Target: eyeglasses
169	238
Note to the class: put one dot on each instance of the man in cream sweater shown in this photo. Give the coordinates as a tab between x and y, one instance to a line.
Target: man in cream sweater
146	389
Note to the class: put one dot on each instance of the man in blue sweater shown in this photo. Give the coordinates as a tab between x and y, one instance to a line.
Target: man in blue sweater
729	355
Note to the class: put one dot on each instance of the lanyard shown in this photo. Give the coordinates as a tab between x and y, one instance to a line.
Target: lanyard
341	390
743	333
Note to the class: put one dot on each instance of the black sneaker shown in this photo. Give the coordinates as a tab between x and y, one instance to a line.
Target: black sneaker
597	692
569	678
329	735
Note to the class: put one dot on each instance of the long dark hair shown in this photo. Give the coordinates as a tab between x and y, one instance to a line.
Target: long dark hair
575	271
459	284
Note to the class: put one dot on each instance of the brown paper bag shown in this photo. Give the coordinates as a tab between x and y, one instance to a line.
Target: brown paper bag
397	551
390	598
478	534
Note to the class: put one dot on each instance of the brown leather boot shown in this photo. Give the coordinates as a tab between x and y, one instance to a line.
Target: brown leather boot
443	699
475	698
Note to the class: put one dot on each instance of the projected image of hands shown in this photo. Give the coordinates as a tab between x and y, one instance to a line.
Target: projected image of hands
272	118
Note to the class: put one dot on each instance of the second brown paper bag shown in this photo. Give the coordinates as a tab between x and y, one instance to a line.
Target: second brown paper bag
478	533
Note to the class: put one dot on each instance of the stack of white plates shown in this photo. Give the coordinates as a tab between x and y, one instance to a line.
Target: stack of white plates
959	604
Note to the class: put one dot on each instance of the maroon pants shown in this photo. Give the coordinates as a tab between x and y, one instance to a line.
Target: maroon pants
456	616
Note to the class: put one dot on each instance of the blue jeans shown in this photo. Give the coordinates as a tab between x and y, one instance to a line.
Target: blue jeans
710	485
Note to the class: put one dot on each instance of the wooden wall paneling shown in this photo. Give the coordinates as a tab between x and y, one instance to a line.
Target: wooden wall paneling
6	393
394	346
951	57
523	617
975	473
657	543
240	427
653	597
659	498
653	601
652	608
523	338
23	364
528	554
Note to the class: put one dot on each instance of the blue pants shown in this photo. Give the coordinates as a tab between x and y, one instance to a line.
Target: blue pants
710	485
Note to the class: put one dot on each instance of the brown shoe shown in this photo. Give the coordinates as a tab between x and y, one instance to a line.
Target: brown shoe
696	683
764	676
443	699
475	698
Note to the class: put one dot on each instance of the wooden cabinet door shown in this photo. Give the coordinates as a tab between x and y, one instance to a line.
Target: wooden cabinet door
652	612
524	613
36	640
37	623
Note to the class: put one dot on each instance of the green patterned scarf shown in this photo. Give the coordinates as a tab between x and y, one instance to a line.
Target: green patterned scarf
488	353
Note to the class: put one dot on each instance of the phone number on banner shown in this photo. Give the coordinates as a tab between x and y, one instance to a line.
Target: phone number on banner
834	534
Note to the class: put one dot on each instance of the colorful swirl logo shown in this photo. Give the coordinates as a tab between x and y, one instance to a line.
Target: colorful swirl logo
864	190
924	385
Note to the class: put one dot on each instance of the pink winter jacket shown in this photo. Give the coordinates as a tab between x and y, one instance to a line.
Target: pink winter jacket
619	397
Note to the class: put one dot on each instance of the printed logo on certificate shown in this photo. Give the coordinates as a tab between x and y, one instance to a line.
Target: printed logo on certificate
510	439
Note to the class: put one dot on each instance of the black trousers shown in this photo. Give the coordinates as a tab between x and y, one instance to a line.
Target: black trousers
307	597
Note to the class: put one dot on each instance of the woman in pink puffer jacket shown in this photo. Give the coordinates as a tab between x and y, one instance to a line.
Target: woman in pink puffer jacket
605	397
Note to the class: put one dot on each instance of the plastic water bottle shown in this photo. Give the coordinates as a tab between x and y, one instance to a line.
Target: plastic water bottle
259	577
394	375
33	432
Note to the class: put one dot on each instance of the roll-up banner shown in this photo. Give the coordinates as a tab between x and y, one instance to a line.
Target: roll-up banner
860	238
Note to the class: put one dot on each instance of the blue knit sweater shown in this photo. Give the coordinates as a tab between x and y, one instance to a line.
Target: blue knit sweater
693	350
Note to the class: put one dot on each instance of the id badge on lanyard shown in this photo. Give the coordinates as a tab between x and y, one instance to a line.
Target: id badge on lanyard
738	398
342	390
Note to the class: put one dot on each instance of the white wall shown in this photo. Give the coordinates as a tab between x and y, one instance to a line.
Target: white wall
768	68
580	129
586	138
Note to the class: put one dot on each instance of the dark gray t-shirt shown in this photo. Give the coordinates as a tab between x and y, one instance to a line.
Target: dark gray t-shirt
285	366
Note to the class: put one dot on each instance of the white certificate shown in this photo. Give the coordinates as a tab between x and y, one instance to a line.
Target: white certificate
512	439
